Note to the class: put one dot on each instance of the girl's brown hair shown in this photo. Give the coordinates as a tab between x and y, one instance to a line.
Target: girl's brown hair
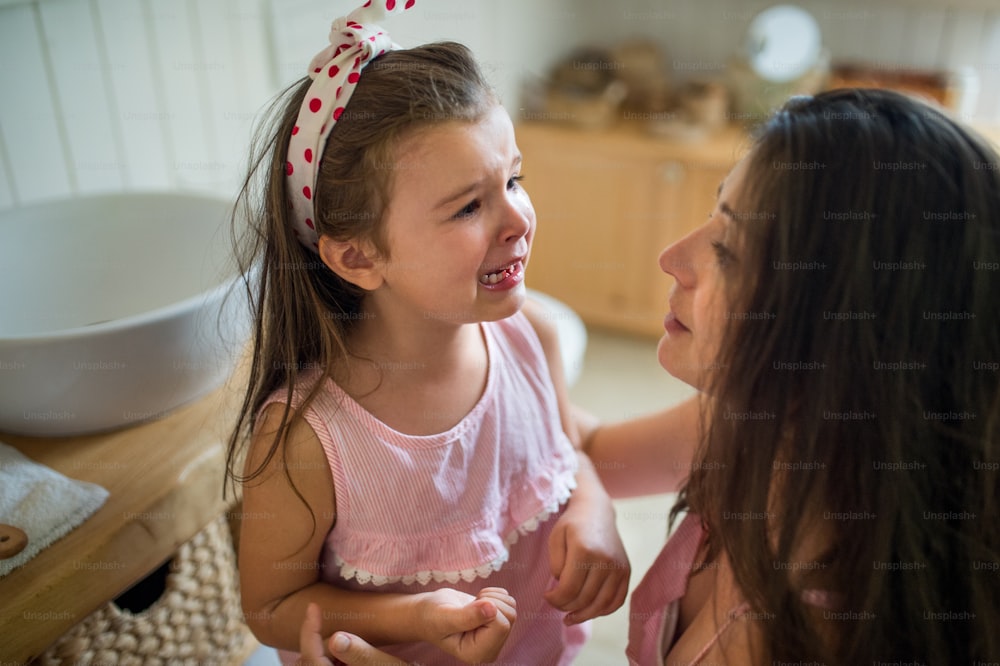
303	312
855	428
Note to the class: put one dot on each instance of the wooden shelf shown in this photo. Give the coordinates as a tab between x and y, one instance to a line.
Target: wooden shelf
165	482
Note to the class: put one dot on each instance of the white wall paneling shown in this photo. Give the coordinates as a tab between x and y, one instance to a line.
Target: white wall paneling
33	133
988	68
6	178
511	39
181	71
106	95
926	30
79	75
139	94
882	30
253	78
138	107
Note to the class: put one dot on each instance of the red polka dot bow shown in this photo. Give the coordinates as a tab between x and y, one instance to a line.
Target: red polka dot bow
355	40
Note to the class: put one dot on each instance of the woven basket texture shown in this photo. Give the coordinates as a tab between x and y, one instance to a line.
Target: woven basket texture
197	621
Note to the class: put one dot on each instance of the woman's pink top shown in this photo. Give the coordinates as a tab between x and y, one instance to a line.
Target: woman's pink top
655	605
465	509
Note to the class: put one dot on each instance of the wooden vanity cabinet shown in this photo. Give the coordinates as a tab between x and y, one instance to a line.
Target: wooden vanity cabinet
608	202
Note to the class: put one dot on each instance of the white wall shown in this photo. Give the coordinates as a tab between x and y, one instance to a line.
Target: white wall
106	95
512	38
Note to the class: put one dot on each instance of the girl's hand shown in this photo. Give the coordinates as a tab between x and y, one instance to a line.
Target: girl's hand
588	559
473	629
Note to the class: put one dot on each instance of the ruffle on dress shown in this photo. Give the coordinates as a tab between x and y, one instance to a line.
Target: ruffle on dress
477	552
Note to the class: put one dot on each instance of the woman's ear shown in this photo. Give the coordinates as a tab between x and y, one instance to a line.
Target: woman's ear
353	261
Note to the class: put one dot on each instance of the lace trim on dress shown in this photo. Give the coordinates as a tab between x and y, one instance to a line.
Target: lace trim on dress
562	495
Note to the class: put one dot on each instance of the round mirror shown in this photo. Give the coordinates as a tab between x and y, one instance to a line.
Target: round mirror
783	43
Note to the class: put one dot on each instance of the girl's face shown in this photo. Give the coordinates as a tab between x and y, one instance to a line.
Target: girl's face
458	224
702	265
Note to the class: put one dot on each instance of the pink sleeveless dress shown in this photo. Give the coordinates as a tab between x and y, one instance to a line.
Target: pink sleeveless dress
466	509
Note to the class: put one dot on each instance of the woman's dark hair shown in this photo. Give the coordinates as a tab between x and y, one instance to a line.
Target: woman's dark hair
303	312
865	461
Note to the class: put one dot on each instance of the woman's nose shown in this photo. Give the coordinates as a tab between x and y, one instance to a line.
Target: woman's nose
675	260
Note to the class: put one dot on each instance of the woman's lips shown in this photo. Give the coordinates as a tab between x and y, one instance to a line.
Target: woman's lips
673	325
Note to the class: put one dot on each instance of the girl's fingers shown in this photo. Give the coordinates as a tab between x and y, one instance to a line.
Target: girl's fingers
590	588
608	599
568	587
503	602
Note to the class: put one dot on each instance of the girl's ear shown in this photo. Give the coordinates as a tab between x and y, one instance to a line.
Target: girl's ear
353	261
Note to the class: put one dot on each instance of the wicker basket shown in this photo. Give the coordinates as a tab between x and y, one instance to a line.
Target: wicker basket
197	620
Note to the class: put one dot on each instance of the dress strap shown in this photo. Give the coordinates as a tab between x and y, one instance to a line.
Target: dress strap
819	598
732	616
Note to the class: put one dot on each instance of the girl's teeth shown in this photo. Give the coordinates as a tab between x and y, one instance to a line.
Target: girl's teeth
493	278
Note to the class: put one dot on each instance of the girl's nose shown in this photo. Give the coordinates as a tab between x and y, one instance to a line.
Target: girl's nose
518	217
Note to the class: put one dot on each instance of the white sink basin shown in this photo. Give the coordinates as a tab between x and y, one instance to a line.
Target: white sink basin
114	309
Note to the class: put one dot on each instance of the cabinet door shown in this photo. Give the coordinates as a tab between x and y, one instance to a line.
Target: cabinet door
684	197
593	212
606	209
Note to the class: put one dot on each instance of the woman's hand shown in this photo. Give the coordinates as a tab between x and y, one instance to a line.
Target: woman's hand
346	647
311	641
586	554
353	651
472	629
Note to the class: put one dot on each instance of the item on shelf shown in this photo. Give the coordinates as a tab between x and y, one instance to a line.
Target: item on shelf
641	67
783	43
592	85
783	56
583	90
955	90
705	103
701	109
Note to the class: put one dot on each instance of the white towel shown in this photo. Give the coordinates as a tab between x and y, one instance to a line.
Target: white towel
42	502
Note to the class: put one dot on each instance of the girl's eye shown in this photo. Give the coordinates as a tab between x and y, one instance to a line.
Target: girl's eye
722	254
473	206
468	211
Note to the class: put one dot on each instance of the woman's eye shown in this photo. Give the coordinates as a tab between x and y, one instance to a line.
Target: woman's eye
722	254
469	210
514	181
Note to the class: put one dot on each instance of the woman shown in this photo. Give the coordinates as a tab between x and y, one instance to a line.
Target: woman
839	470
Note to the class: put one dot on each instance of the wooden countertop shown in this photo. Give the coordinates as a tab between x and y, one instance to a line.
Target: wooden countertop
721	147
165	482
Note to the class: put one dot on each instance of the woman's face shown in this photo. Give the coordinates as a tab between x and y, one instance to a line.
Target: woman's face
703	265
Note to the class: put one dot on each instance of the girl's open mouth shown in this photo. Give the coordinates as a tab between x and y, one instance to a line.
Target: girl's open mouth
503	278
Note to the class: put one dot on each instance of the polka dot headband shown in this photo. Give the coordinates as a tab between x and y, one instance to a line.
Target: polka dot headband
355	40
